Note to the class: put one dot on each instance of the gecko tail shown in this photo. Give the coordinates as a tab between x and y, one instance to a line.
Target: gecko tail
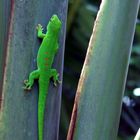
41	114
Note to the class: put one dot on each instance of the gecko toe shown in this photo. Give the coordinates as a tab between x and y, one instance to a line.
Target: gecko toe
25	81
59	81
55	84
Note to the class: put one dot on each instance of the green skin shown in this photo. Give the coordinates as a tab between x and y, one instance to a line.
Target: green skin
44	72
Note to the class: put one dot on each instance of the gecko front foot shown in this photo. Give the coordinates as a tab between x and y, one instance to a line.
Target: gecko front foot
27	84
39	27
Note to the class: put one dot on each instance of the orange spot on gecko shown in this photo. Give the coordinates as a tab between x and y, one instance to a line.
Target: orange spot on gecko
46	58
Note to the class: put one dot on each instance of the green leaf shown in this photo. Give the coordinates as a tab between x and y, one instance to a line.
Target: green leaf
4	22
98	100
19	109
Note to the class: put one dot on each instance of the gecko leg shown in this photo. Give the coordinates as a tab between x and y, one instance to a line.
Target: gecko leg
55	76
39	31
29	83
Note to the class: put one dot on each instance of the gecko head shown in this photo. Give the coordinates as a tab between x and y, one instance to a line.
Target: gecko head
54	23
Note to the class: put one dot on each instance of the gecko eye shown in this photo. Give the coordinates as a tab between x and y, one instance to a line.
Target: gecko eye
51	20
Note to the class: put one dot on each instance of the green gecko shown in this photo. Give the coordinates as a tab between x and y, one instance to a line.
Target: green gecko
44	72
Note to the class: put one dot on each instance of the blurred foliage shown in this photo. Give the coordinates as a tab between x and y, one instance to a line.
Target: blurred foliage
78	35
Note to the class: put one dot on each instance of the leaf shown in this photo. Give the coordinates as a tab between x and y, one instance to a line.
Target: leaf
98	100
4	21
19	109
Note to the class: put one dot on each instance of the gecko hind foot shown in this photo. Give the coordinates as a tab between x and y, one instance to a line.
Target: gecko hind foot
27	84
56	80
59	82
